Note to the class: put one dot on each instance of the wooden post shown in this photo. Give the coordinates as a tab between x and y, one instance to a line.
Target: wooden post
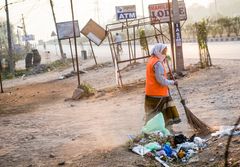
75	43
93	52
117	69
1	83
70	43
110	44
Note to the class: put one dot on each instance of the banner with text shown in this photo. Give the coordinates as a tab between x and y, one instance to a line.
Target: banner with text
65	29
126	12
28	37
159	13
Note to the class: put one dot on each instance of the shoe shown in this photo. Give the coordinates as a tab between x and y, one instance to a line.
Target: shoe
177	120
170	122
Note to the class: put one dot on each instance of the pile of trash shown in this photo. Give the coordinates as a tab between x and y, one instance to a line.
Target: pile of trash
167	149
157	142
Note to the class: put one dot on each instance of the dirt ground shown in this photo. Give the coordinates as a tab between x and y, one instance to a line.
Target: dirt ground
39	128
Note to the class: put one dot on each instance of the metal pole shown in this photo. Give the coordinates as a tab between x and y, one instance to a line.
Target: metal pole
117	69
114	49
110	44
155	32
160	28
75	43
10	52
171	36
129	50
59	41
134	43
93	52
70	43
25	33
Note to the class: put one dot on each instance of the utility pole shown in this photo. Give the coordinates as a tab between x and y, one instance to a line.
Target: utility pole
97	11
59	41
143	9
75	43
25	34
216	10
24	26
10	52
178	37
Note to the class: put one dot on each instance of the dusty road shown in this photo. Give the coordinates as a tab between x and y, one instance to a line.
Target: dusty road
39	128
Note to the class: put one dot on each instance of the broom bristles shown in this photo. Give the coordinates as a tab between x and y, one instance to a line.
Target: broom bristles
196	123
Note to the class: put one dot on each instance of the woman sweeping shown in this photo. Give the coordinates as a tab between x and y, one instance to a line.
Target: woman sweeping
157	97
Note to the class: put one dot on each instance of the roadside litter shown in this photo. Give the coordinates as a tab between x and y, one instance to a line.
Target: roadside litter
226	131
157	142
167	149
71	74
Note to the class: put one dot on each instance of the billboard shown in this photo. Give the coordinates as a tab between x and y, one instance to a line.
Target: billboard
159	13
126	12
94	32
28	37
65	30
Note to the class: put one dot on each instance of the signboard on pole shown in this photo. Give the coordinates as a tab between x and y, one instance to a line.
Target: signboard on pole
159	13
28	37
94	32
178	36
126	12
65	30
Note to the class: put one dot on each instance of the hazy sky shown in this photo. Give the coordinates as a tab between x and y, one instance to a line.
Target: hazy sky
39	20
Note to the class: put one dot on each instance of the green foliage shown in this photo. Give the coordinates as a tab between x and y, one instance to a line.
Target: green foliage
223	26
60	64
87	88
17	55
236	25
143	40
202	35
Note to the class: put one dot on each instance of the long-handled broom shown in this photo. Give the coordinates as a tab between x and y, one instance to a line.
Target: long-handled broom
196	123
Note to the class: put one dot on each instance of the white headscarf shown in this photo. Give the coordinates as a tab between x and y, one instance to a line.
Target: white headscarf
157	50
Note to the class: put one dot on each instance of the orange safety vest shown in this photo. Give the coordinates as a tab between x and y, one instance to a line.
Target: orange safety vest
153	88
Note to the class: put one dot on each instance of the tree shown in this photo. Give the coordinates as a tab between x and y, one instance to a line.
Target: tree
236	25
212	28
4	43
202	35
220	26
227	24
